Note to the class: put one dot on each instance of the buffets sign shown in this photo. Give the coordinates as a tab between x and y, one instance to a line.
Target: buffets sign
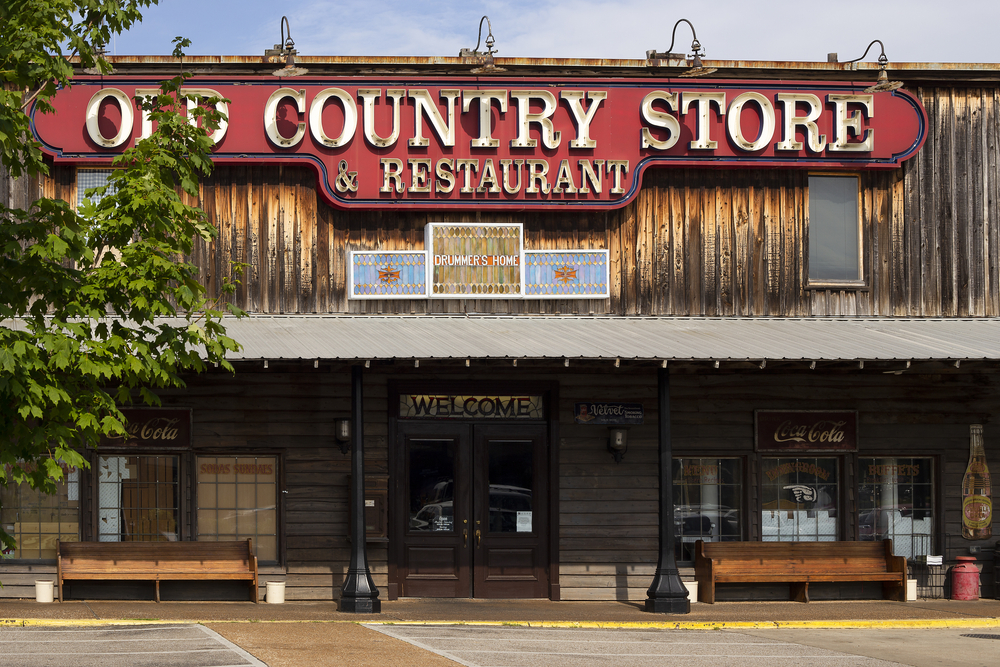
484	261
795	430
522	143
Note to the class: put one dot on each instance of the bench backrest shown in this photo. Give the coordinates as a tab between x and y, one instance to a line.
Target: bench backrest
156	556
796	557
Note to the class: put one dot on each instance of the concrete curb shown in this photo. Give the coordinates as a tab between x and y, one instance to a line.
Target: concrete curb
603	625
719	625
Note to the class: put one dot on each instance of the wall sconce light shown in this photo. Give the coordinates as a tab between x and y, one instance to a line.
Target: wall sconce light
883	83
617	442
697	68
342	431
286	50
487	64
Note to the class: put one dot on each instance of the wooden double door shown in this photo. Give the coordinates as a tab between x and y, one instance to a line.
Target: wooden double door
472	511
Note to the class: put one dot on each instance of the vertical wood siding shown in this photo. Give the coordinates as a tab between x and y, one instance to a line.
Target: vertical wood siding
725	242
608	519
290	413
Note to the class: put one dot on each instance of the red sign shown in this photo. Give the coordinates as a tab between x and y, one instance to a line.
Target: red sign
796	431
505	142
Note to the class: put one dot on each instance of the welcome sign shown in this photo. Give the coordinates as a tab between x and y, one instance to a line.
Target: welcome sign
515	142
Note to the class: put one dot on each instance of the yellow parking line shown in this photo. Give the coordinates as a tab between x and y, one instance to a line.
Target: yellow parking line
83	622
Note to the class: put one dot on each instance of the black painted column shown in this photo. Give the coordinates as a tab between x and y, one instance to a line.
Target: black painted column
359	594
667	594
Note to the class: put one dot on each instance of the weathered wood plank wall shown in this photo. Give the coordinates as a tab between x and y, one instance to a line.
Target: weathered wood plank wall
289	411
608	515
693	243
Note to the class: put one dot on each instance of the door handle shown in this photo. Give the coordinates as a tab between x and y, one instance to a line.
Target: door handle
465	537
479	537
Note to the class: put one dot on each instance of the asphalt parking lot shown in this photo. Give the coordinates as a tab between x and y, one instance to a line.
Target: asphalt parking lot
186	645
545	647
498	633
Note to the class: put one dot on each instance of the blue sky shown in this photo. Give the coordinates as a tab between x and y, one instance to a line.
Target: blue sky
912	30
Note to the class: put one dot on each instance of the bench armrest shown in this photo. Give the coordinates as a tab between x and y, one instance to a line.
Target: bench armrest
894	563
703	565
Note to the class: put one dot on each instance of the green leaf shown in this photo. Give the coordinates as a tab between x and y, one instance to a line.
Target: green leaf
87	337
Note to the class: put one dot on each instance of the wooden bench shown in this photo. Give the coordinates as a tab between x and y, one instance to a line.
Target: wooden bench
798	564
157	561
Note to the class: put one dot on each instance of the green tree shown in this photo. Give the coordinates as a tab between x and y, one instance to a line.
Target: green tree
82	291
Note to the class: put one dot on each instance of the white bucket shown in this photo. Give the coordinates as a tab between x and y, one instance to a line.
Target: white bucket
44	590
275	592
911	590
692	587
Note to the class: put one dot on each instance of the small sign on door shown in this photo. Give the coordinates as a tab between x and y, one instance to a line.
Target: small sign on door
524	522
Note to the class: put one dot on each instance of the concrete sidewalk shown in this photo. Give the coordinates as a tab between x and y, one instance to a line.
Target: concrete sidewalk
530	612
300	634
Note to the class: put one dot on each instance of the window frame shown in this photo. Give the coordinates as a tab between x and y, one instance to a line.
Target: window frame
743	494
279	492
859	283
20	488
183	533
936	482
844	484
78	192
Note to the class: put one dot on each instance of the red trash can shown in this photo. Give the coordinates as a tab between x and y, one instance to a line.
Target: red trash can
965	579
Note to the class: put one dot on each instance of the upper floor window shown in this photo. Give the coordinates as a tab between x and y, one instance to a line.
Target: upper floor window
834	231
90	178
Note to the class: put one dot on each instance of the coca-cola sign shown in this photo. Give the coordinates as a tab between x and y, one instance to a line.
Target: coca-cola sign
154	428
796	430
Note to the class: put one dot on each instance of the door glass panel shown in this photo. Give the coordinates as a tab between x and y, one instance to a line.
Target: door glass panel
511	475
432	485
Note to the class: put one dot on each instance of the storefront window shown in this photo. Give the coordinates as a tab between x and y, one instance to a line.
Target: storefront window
799	499
895	500
237	499
137	499
37	520
707	502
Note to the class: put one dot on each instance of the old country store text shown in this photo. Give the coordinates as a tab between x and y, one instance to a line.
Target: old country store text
528	144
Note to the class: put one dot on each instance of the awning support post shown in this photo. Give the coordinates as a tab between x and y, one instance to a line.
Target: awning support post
667	594
359	594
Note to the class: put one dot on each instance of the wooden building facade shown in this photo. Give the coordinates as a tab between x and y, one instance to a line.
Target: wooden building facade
490	471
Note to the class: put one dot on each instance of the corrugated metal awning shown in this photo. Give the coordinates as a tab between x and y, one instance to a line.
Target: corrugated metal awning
362	337
572	337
